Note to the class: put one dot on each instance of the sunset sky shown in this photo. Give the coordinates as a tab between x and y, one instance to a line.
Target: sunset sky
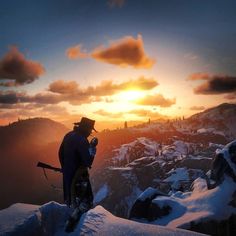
115	60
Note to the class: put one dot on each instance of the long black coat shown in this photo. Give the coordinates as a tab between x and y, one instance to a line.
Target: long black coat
73	152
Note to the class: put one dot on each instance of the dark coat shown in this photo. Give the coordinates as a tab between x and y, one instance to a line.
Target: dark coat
73	153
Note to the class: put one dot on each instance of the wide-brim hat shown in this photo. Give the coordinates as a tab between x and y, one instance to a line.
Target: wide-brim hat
86	123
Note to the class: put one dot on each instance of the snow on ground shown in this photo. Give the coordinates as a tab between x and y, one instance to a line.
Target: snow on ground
49	219
100	222
200	205
101	194
149	148
181	175
122	153
18	217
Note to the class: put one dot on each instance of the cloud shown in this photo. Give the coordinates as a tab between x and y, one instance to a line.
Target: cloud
191	56
231	96
197	108
70	91
13	97
104	113
215	84
147	114
127	51
199	76
63	87
16	68
76	52
8	98
156	100
138	112
116	3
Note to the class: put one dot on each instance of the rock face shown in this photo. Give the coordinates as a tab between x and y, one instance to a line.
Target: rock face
209	208
143	207
146	163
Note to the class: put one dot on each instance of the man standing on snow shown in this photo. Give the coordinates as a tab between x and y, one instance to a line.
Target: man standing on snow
76	155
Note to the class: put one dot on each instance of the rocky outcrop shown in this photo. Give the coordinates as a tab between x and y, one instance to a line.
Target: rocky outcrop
206	210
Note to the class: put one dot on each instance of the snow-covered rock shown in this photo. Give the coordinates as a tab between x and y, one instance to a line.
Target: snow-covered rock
204	209
49	219
200	205
137	149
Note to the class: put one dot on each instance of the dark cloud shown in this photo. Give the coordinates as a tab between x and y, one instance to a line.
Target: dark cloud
127	51
197	108
16	68
215	84
76	52
156	100
12	97
115	3
8	98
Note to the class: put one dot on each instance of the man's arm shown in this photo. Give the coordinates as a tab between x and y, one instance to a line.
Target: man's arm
86	156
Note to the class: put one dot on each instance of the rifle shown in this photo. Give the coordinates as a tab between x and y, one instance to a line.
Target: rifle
46	166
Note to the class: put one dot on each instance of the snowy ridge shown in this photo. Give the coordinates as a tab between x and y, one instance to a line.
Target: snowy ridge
199	205
49	219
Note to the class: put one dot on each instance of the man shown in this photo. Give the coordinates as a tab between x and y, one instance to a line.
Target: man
76	155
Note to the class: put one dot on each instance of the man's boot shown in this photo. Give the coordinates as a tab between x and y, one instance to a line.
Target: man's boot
75	217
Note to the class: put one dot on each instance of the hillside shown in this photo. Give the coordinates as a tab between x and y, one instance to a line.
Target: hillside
36	131
219	119
22	145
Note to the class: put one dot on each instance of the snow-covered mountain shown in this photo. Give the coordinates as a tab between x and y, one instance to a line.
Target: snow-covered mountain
49	219
217	120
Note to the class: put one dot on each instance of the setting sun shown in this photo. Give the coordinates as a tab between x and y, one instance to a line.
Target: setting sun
130	95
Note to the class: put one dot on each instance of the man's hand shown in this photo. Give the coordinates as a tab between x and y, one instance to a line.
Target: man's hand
92	151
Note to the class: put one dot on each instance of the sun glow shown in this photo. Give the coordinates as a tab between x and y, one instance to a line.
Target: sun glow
130	95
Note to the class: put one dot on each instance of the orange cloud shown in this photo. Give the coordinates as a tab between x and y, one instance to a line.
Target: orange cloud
105	88
231	96
127	51
197	108
102	112
156	100
147	114
138	112
63	87
70	91
16	68
199	76
75	52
